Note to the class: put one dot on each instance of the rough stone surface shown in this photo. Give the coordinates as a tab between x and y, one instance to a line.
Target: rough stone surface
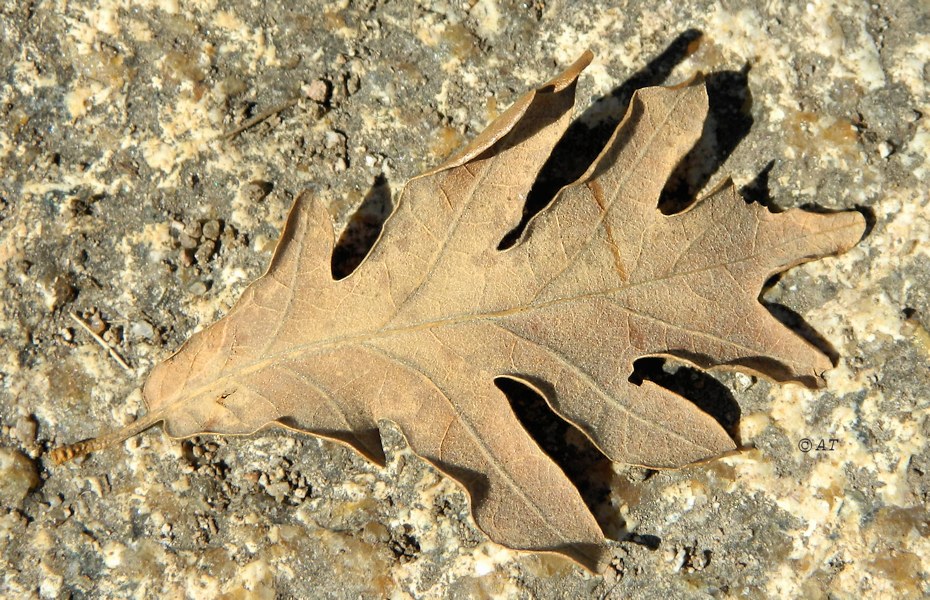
124	201
17	477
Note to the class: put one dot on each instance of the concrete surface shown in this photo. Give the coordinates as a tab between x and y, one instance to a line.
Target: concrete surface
121	201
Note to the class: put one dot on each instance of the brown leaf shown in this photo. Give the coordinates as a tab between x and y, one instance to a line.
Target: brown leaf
419	331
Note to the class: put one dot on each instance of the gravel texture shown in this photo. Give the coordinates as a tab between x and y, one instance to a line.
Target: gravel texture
149	152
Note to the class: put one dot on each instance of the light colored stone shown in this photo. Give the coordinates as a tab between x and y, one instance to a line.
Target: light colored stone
17	476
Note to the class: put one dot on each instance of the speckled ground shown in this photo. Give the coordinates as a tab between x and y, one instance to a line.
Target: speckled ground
131	196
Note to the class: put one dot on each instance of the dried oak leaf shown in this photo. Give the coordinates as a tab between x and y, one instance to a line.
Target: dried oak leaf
419	331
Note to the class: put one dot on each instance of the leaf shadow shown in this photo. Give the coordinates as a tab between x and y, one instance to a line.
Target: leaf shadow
575	454
363	229
795	322
589	133
729	119
696	385
757	191
580	460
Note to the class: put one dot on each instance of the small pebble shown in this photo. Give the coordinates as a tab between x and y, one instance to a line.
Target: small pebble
113	335
95	323
229	237
62	292
188	242
211	230
353	84
390	91
340	165
318	91
25	430
187	257
194	229
255	191
205	252
198	288
142	330
17	476
279	491
333	138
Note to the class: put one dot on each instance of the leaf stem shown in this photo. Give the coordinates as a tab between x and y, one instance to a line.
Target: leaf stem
67	452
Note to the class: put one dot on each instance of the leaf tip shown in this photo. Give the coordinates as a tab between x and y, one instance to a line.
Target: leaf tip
860	224
697	79
593	557
570	74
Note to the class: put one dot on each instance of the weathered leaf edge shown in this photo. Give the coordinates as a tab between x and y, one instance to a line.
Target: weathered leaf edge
815	379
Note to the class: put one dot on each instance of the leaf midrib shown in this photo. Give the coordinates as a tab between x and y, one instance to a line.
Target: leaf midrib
367	336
